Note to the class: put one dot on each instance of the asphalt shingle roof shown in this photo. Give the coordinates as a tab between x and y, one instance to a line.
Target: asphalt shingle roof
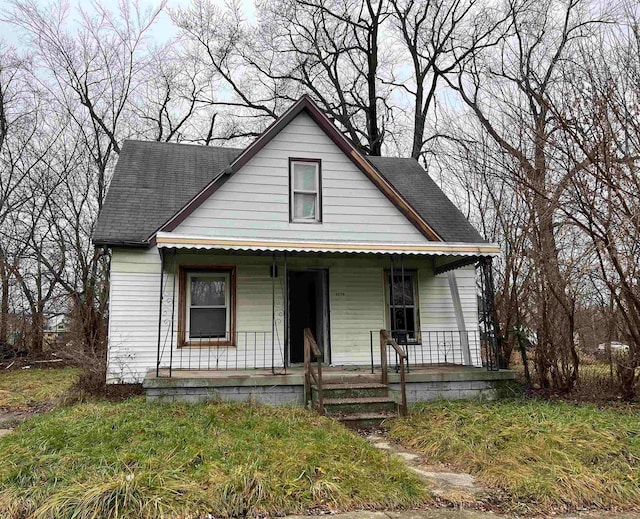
417	187
152	181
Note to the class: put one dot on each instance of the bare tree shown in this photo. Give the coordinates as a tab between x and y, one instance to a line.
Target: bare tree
510	91
91	74
330	49
24	144
473	168
438	36
172	102
603	131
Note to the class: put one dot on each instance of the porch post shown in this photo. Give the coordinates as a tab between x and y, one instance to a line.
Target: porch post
273	312
392	309
405	330
173	310
492	329
285	353
161	251
462	327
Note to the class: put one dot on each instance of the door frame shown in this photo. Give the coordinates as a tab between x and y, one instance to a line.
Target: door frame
323	277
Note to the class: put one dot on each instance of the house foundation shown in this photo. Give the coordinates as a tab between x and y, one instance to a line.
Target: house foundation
263	387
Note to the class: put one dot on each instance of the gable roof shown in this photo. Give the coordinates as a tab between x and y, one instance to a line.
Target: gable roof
306	104
419	189
152	181
155	186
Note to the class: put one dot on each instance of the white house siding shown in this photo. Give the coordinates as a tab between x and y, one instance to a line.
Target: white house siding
356	291
437	314
356	298
254	203
133	313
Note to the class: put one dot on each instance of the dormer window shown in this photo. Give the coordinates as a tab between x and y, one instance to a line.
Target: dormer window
305	186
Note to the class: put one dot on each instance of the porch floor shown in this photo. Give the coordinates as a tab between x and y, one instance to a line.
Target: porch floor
295	376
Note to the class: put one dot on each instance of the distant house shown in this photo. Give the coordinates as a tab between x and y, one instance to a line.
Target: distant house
56	329
615	346
222	258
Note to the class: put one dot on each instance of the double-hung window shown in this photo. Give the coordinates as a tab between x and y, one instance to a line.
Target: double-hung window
401	304
305	191
208	308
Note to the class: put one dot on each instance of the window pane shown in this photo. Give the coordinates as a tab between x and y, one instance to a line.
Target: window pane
304	206
208	322
207	291
399	322
403	293
304	176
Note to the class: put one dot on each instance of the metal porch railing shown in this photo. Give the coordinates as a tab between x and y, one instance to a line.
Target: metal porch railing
439	348
238	351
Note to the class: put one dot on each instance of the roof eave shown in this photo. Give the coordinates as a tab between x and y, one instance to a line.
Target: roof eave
121	243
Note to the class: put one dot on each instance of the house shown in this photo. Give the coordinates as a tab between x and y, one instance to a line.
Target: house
221	258
614	345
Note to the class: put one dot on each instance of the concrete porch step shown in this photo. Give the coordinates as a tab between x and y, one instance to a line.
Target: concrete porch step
366	420
343	406
353	390
349	378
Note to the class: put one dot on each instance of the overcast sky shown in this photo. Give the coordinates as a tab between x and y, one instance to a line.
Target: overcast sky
162	30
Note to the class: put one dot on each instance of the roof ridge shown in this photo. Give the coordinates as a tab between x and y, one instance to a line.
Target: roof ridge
185	144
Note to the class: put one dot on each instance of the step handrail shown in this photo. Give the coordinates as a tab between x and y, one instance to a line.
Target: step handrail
310	347
387	339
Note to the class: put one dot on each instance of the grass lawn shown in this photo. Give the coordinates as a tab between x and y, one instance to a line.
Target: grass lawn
137	460
22	388
537	456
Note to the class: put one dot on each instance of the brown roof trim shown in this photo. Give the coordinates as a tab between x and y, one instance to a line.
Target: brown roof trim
306	104
120	243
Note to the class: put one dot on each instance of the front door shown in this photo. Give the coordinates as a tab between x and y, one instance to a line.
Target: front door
308	308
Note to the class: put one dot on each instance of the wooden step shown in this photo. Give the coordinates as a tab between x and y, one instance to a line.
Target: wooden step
355	385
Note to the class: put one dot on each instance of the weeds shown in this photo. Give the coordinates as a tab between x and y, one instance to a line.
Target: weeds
538	456
139	460
23	388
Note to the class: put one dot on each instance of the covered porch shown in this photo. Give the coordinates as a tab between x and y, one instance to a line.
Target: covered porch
267	293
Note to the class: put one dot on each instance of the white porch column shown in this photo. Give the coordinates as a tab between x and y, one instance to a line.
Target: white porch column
457	307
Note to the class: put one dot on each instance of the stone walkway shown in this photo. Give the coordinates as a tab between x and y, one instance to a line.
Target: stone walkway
454	486
441	513
411	514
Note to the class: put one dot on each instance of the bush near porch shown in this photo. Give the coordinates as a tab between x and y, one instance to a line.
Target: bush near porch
138	460
535	456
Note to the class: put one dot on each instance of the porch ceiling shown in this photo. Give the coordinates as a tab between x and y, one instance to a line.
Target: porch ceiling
170	240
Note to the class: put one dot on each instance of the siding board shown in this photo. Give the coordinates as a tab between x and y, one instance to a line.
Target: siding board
258	201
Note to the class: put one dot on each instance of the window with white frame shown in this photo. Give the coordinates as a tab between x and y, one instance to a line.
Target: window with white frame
306	191
402	305
208	305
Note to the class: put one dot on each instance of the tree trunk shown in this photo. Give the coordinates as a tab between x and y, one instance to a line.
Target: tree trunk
37	332
4	302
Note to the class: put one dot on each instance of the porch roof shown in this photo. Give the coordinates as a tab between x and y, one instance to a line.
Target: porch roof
173	241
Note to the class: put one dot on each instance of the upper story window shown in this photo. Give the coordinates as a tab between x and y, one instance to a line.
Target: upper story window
305	187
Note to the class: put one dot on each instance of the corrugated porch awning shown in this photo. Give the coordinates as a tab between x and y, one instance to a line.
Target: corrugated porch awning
173	241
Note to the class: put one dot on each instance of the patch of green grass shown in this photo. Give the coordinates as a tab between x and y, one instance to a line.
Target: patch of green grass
538	456
23	388
138	460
